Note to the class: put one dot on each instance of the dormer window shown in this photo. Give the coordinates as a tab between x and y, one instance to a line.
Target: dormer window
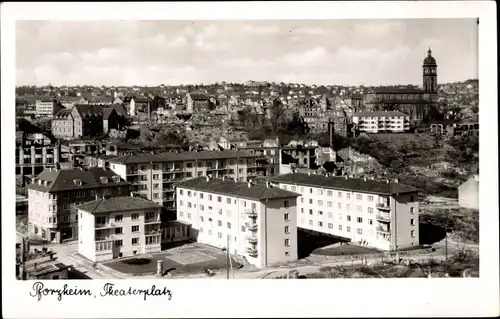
77	182
40	182
104	180
116	179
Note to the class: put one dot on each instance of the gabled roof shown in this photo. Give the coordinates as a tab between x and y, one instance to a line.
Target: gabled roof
120	109
236	189
116	204
107	112
346	184
63	113
183	156
63	179
89	110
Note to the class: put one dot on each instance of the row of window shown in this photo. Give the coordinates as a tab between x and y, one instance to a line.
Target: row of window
219	200
191	165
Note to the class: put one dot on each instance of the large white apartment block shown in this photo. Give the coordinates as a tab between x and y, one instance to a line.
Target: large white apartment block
379	214
255	221
381	121
118	227
154	175
47	107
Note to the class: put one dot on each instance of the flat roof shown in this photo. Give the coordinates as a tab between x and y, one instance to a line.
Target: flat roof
181	156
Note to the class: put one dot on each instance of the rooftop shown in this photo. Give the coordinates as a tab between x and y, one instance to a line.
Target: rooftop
346	184
237	189
388	89
379	114
63	179
116	204
182	156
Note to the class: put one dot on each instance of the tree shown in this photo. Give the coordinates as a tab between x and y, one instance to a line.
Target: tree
277	118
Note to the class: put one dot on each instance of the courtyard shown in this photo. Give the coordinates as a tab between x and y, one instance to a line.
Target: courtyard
190	258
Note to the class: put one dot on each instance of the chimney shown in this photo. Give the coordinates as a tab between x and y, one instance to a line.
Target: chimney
249	184
309	173
268	184
97	196
387	181
131	195
326	174
208	178
224	178
346	177
364	178
396	180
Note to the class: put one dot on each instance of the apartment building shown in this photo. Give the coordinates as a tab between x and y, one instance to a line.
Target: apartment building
153	175
34	153
379	214
62	125
255	221
47	107
381	121
55	193
118	227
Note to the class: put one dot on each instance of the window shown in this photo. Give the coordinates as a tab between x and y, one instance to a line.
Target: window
359	209
370	198
294	188
243	228
370	210
287	217
118	243
320	212
135	216
201	195
412	222
181	203
359	231
359	197
286	204
202	207
156	186
412	233
189	215
219	223
189	193
209	197
310	201
339	205
310	212
302	189
320	203
201	218
329	193
302	200
219	235
412	199
370	221
287	229
348	218
181	213
181	192
359	219
189	205
330	204
302	210
340	194
209	232
310	190
229	225
156	176
287	242
119	230
156	195
135	241
135	228
348	195
348	229
320	224
320	192
340	227
411	210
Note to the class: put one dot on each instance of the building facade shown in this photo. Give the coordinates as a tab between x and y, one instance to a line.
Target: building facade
47	107
381	122
255	221
468	193
379	214
88	120
118	227
55	193
34	153
154	176
63	125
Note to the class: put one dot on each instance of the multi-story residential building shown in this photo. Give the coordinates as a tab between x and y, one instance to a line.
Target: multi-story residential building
54	193
63	124
379	214
88	120
118	227
256	221
198	102
381	122
153	176
79	150
47	107
34	153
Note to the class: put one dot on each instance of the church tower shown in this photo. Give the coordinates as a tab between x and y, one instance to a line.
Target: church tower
430	84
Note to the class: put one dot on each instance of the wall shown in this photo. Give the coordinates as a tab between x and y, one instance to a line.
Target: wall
468	194
39	214
275	224
401	220
86	243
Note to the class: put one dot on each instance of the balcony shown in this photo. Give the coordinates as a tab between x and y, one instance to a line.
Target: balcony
384	217
151	232
251	213
105	238
153	220
383	230
133	172
105	225
252	239
383	206
252	227
252	252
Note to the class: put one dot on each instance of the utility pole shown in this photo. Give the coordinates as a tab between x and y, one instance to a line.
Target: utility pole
227	257
446	237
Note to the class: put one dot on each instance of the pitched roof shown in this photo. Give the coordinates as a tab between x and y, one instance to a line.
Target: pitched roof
183	156
63	113
379	114
237	189
342	183
120	109
88	110
63	179
106	112
387	89
115	204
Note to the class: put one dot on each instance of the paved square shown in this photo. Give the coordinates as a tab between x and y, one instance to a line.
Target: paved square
191	258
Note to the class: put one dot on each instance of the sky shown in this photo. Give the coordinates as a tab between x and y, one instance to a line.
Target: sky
321	52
